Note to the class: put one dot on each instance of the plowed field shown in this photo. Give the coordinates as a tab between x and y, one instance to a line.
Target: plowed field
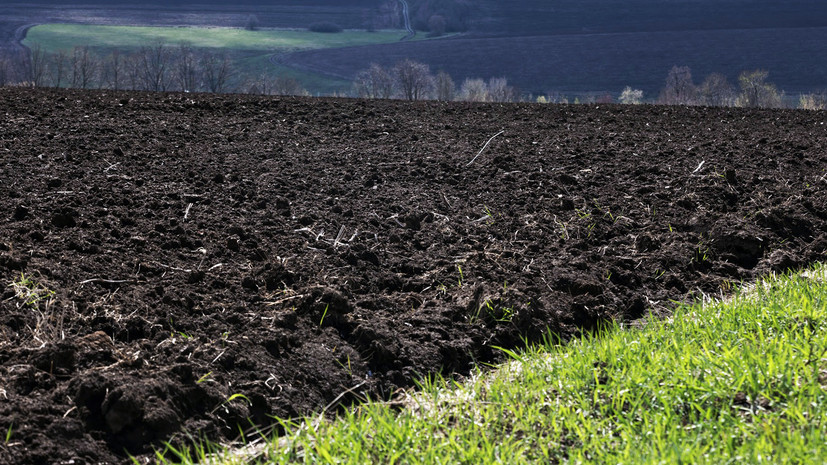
160	254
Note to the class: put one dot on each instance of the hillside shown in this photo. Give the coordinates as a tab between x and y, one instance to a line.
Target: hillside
538	17
163	255
600	46
562	48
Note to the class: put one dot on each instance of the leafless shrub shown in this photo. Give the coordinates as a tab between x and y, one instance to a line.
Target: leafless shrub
813	101
717	91
445	87
413	79
216	72
500	91
154	63
83	67
57	68
474	90
186	69
631	96
5	71
374	82
113	70
756	92
679	89
37	67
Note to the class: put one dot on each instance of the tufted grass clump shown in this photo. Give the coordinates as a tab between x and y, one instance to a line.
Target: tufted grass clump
29	291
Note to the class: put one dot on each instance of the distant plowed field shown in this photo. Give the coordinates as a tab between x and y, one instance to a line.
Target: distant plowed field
177	265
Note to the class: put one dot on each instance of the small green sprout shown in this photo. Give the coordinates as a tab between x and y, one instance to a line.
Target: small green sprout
30	291
347	367
230	399
324	314
237	396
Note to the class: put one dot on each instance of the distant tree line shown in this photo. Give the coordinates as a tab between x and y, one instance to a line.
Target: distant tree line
181	68
411	80
753	91
159	67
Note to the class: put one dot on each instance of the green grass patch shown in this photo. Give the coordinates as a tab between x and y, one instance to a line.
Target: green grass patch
249	51
56	37
741	381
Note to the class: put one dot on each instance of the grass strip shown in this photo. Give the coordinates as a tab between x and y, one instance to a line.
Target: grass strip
739	381
56	36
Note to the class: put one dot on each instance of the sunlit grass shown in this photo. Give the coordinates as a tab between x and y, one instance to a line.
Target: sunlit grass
251	52
56	37
742	381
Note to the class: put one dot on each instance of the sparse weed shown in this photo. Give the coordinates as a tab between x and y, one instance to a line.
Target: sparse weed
564	231
173	332
489	214
31	292
494	311
40	299
347	367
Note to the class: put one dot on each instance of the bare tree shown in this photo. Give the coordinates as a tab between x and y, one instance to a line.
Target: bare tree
154	61
374	82
216	72
813	101
679	90
756	92
436	25
5	71
413	79
252	23
255	86
445	87
281	85
133	72
287	86
186	69
58	68
500	91
113	71
716	91
474	90
36	74
83	67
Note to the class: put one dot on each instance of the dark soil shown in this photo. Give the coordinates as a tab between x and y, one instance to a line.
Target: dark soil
290	249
